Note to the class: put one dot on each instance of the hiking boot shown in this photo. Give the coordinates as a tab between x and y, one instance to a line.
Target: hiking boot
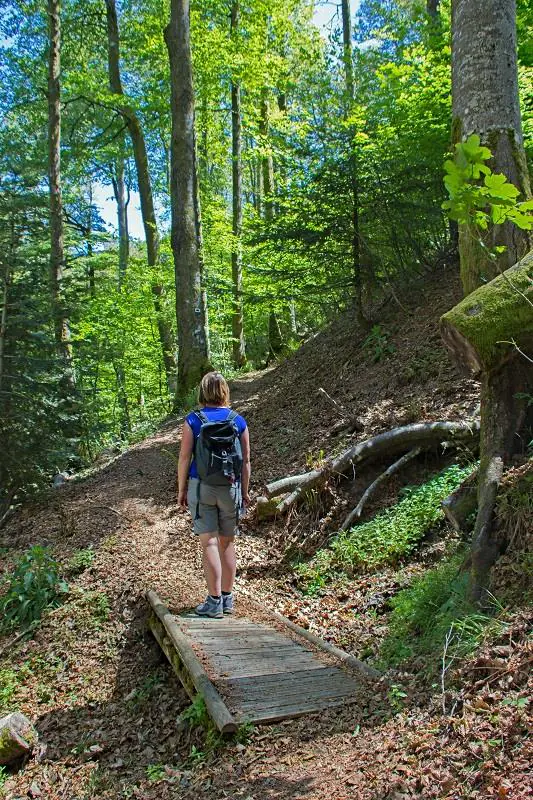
227	603
210	608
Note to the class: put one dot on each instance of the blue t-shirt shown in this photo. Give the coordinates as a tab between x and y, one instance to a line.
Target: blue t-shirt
213	415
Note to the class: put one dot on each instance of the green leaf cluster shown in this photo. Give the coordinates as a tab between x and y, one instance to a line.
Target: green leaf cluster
477	196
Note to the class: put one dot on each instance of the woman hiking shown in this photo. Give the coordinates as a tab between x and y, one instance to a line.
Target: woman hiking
213	481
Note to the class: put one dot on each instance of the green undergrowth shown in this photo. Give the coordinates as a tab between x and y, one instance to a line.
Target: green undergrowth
433	618
35	585
388	537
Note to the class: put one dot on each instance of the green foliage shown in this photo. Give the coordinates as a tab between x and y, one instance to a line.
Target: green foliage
8	688
434	615
3	776
80	561
377	344
477	196
196	714
389	536
34	586
156	772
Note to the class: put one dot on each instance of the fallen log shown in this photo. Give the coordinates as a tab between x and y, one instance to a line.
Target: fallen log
421	434
396	467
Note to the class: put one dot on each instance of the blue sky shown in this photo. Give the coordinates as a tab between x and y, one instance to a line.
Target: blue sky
326	13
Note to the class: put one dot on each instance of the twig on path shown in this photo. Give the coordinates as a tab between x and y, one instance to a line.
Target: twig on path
17	638
114	510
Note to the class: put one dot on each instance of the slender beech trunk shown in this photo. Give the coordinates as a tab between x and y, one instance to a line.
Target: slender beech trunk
119	190
267	164
145	190
191	307
89	240
237	327
57	249
485	101
352	163
432	8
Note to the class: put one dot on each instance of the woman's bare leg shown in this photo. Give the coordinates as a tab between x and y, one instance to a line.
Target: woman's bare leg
211	562
228	562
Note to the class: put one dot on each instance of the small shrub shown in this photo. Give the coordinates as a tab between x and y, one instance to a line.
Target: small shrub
196	714
34	586
377	344
80	561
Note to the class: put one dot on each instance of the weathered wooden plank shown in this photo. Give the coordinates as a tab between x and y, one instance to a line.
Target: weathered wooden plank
183	659
297	676
247	671
267	700
275	714
289	690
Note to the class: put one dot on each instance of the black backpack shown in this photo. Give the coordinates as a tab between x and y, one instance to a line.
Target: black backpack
217	450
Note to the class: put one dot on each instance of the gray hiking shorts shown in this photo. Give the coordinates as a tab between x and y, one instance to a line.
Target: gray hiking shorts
217	510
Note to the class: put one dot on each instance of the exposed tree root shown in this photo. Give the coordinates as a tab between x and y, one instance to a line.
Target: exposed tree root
396	467
423	435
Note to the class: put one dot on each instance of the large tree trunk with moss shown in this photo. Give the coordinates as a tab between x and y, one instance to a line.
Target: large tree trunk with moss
490	334
191	310
140	155
237	324
485	101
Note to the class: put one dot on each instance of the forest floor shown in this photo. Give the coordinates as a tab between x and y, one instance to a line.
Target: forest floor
106	704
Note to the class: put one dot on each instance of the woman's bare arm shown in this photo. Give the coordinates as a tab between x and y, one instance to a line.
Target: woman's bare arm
184	462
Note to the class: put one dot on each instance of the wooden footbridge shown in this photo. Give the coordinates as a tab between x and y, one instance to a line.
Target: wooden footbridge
250	672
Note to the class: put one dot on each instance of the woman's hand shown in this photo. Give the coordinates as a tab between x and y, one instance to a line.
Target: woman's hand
182	499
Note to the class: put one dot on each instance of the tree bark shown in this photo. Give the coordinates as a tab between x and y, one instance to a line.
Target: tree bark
119	191
57	249
140	155
239	347
479	332
267	164
352	163
485	101
191	307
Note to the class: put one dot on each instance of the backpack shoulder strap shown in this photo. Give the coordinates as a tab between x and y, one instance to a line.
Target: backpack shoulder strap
231	416
201	416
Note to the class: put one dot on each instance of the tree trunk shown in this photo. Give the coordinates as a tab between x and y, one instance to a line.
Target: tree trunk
191	308
485	101
145	191
274	335
119	190
239	347
490	333
57	250
432	8
352	163
267	164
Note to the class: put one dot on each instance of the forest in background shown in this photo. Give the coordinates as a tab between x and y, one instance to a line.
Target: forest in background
340	139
